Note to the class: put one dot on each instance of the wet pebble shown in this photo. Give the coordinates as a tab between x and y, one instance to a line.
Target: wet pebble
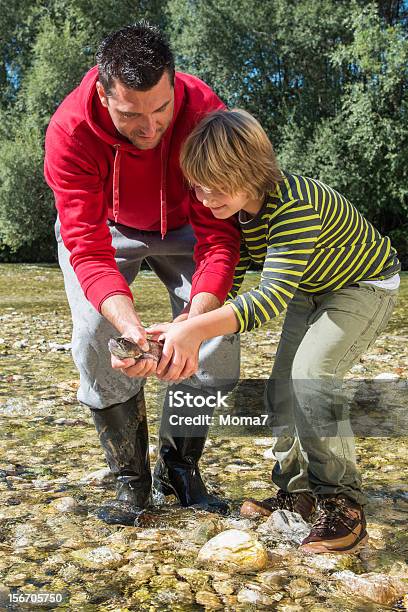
264	441
380	588
223	587
239	523
205	531
56	346
386	376
273	579
98	558
65	505
4	596
288	606
167	570
255	597
238	551
329	563
209	600
70	572
97	478
299	587
140	572
196	578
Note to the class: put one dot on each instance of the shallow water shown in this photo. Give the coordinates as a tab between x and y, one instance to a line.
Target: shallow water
48	444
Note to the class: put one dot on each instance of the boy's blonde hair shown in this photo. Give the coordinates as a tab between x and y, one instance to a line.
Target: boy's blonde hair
229	151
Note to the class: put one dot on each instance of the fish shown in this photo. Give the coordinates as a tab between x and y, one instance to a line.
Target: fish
123	348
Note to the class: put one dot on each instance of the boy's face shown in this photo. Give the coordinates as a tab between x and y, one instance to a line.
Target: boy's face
221	204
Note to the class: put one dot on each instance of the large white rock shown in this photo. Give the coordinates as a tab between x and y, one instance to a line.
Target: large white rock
235	550
285	525
380	588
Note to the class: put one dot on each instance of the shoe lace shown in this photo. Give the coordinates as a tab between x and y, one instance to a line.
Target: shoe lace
331	512
286	501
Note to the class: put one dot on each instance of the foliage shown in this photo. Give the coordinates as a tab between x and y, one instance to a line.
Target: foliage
328	80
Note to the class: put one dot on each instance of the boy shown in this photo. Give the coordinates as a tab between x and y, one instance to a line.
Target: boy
337	277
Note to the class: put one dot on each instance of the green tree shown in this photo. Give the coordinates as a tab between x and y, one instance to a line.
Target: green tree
363	149
61	40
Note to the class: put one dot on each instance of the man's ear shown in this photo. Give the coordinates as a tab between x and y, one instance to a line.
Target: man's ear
102	94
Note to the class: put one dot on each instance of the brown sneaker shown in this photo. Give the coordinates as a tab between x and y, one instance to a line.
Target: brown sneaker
303	503
340	527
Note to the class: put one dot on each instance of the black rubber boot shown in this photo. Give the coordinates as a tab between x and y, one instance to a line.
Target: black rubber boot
176	471
123	434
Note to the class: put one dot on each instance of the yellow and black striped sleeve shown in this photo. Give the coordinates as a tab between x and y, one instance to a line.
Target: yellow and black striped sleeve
240	270
291	240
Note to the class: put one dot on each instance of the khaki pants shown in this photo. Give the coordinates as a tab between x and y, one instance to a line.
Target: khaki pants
322	337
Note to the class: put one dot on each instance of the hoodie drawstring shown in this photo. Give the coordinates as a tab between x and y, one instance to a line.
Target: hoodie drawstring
163	203
116	171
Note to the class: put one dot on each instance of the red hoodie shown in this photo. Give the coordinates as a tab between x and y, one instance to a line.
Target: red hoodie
97	174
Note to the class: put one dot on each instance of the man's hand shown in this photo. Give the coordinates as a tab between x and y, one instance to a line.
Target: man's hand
120	312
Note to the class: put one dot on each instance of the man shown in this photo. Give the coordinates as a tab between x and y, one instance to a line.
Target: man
112	160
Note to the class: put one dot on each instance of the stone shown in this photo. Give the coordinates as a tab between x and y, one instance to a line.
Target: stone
239	523
205	531
140	572
4	596
285	525
97	478
386	376
183	593
264	441
196	578
299	587
25	535
56	346
98	558
65	504
379	588
287	606
273	579
255	597
15	580
70	572
54	562
224	587
235	550
167	570
209	600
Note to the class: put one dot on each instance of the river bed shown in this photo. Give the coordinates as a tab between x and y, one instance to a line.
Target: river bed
48	449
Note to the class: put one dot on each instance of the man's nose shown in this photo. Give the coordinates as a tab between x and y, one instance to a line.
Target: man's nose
148	126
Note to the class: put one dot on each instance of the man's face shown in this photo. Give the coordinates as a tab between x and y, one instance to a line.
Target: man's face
141	116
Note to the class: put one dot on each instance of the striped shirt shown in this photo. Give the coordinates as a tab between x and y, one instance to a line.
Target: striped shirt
310	237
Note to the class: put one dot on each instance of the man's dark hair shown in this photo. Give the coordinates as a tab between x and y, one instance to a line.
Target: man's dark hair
137	55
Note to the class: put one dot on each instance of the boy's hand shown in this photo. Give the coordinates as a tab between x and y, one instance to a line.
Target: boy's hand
180	351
